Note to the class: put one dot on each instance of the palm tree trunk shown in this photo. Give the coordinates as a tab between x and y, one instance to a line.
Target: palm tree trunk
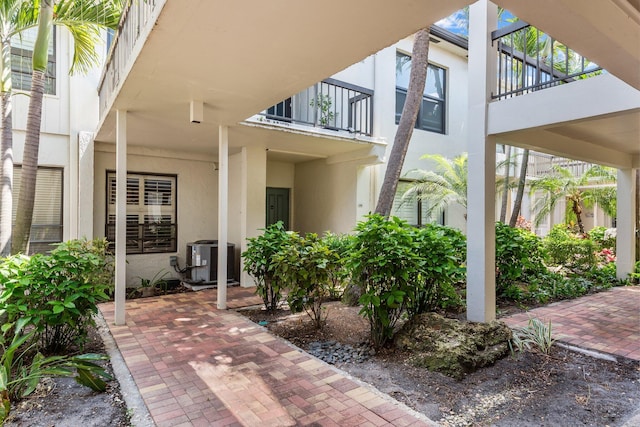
577	210
517	204
26	198
505	194
6	150
417	80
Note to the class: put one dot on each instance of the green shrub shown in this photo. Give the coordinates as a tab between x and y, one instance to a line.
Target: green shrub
59	292
383	262
599	236
339	245
440	265
519	256
258	262
304	267
569	250
21	368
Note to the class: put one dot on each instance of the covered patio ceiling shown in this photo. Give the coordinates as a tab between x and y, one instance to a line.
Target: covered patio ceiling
241	57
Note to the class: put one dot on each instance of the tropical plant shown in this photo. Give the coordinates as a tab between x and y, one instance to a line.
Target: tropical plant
519	255
383	262
440	266
522	180
579	191
446	185
565	248
324	103
303	265
59	292
536	335
83	19
259	263
21	368
413	101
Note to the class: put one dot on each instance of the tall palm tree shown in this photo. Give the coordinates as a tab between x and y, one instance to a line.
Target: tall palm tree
417	81
83	19
522	180
16	16
580	191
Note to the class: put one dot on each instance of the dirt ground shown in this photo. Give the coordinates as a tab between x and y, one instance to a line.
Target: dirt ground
61	402
563	389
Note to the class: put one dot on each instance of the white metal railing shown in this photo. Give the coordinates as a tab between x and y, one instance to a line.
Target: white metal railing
137	19
541	164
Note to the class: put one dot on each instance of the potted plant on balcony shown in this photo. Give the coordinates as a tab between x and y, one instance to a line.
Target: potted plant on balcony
327	117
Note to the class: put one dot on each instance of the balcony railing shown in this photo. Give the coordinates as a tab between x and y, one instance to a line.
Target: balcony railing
541	164
530	60
330	104
137	19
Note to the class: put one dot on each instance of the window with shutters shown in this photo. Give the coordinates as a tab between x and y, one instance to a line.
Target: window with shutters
151	212
21	67
414	210
46	227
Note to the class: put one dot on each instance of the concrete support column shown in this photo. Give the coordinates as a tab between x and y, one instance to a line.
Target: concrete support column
626	217
253	200
85	183
121	216
223	213
481	280
74	186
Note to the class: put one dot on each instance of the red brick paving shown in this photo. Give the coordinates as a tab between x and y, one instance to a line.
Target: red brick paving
198	366
608	321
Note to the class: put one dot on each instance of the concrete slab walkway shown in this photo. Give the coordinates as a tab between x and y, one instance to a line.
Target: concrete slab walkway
607	322
195	365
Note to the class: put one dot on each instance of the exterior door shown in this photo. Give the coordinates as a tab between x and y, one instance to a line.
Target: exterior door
278	206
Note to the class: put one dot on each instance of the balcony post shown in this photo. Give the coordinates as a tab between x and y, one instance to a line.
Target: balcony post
626	216
481	279
223	210
121	216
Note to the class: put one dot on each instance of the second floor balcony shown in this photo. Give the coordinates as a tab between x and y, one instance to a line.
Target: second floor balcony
330	104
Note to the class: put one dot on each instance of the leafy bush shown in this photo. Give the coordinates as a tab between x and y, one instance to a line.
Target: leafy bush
21	371
304	267
58	292
568	249
383	262
519	256
440	265
602	238
258	262
339	245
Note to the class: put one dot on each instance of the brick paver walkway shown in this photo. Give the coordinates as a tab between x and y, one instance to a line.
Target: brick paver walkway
607	321
198	366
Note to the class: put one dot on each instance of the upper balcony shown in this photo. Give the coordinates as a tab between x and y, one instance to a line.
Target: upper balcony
331	104
530	60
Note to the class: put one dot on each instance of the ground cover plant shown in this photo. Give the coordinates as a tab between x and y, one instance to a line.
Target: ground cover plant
47	306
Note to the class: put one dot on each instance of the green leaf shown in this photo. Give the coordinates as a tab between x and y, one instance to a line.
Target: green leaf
86	378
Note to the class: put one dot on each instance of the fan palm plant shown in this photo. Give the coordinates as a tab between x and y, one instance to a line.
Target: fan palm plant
579	191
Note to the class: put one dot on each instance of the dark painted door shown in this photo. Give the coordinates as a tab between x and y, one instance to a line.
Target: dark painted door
278	206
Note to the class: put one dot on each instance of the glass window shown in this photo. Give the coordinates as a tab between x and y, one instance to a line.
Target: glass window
151	212
46	226
431	116
21	67
412	210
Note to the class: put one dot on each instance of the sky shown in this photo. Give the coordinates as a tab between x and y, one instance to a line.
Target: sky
457	22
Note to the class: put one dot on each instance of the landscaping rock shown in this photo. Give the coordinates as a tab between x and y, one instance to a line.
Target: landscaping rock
334	353
453	347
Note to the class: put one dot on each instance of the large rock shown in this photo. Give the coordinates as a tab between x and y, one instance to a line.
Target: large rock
453	347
